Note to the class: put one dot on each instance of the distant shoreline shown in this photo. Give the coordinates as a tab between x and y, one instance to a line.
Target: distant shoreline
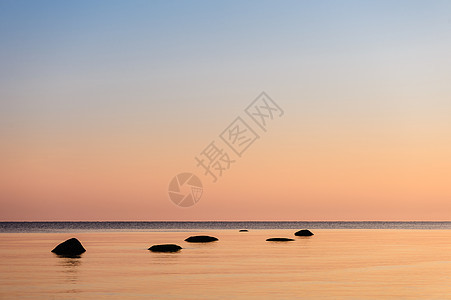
63	226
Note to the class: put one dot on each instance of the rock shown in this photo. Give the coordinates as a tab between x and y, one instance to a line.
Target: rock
165	248
279	240
201	239
71	247
304	232
244	230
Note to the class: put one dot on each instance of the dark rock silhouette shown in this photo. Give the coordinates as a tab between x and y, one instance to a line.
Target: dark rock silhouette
71	247
279	240
165	248
304	232
201	239
244	230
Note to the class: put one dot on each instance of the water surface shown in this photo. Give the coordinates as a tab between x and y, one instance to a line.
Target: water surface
332	264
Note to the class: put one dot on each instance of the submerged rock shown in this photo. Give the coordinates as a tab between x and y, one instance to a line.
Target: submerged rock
165	248
279	240
71	247
201	239
304	232
244	230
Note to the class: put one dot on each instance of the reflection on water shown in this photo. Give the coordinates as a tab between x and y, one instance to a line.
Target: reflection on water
332	264
69	266
69	262
166	259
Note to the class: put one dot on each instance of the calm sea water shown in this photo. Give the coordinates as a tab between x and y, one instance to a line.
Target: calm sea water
375	260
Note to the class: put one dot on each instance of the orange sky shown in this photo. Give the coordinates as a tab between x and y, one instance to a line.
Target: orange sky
291	173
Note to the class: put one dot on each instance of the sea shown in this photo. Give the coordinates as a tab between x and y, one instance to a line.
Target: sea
342	260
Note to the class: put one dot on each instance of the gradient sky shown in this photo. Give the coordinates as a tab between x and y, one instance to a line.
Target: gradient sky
103	102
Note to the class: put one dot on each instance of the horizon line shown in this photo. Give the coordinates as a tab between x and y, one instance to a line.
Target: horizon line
216	221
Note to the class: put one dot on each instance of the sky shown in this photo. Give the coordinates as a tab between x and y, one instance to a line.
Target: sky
102	103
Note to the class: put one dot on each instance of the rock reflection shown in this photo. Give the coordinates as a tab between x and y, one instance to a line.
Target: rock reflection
70	268
70	262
